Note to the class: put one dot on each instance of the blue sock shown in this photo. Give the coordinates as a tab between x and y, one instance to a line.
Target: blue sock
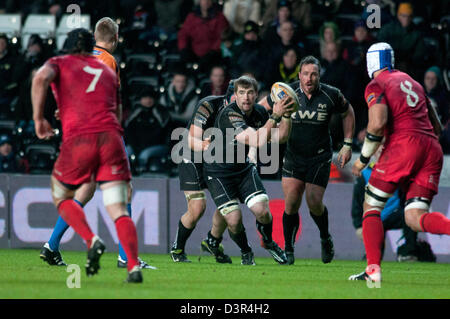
122	254
58	231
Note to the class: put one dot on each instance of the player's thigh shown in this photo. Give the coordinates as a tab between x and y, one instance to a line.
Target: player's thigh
191	176
429	171
224	192
85	192
318	172
113	162
77	160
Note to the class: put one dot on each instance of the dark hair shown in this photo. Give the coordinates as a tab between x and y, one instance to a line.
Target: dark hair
230	90
309	60
245	82
79	41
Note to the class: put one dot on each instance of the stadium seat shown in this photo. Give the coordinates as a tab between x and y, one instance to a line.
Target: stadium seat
65	27
41	158
42	24
7	127
10	24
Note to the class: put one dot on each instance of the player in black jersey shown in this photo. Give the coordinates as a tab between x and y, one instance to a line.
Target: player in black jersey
307	161
232	178
192	182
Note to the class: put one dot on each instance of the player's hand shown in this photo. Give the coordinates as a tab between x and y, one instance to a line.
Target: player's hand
283	106
57	115
205	144
357	168
43	129
344	156
359	233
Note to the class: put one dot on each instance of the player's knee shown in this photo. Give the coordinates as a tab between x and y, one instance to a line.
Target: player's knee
197	209
412	219
60	193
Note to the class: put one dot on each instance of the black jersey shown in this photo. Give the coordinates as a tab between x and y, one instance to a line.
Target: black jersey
206	111
205	115
231	121
310	135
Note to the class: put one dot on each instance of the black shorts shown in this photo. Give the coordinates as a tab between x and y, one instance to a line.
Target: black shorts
242	186
191	176
314	170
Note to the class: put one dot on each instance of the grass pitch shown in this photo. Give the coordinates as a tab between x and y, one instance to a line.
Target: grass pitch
24	275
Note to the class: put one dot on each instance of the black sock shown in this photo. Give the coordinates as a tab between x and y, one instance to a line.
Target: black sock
322	222
213	241
240	239
182	236
266	231
291	224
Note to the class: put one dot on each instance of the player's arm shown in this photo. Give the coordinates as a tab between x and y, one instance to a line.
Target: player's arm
378	116
195	139
434	118
39	87
257	138
348	125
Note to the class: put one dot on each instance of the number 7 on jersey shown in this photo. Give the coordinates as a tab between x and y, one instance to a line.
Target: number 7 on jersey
96	73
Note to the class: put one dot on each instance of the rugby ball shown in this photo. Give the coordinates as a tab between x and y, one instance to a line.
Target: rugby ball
279	90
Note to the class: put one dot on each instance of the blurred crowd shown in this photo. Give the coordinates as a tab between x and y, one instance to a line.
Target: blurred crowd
172	53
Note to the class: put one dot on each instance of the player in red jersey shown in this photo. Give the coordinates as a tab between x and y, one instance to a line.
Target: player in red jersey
411	157
86	92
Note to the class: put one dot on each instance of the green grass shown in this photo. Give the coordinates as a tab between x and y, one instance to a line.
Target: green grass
24	275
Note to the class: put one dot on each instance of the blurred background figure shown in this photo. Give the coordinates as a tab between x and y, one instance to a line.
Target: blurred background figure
217	83
8	161
439	98
146	133
180	98
238	12
199	38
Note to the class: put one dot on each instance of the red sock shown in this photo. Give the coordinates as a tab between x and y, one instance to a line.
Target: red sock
74	215
126	231
435	223
373	236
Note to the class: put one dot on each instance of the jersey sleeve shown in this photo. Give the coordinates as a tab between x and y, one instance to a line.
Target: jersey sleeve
202	113
374	94
54	64
232	119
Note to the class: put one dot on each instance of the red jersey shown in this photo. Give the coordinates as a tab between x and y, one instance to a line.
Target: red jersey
85	91
407	103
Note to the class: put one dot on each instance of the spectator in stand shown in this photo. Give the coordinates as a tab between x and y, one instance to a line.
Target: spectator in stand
8	85
355	54
199	38
337	72
238	12
171	13
440	99
286	70
146	129
285	39
406	40
301	11
180	99
248	56
8	161
271	31
217	84
329	33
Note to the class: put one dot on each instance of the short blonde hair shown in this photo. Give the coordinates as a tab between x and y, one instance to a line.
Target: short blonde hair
106	30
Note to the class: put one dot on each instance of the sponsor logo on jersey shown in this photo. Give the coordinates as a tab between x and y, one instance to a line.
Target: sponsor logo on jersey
322	106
